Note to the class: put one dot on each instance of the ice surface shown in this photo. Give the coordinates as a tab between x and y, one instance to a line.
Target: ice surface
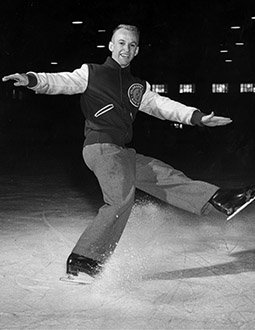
171	269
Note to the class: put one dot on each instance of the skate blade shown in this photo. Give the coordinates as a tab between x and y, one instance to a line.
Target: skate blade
82	279
241	208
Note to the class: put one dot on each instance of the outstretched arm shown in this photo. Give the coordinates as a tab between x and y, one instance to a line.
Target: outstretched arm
167	109
53	83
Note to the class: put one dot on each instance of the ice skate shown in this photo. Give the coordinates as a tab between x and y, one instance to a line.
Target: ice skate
81	270
233	201
81	278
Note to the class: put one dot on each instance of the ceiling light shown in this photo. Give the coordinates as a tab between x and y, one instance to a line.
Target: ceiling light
239	43
235	27
101	30
228	61
53	63
77	22
253	17
100	46
223	51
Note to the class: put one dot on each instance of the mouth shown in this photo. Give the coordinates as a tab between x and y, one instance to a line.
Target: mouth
124	55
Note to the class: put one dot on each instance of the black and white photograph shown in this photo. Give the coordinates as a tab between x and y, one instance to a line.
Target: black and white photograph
127	172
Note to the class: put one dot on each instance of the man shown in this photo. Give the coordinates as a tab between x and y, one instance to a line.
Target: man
110	99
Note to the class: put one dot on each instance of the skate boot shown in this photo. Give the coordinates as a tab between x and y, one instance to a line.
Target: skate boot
232	201
81	270
77	263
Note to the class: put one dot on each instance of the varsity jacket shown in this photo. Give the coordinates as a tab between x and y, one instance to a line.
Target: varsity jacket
110	99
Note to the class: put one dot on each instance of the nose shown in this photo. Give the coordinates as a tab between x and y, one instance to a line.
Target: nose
126	47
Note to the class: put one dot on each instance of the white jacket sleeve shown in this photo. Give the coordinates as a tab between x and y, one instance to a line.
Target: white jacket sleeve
62	82
165	108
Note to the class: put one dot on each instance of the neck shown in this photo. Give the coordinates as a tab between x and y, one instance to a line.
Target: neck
121	66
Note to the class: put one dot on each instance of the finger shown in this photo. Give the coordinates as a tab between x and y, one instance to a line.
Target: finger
10	77
5	78
211	115
221	119
208	117
222	123
216	119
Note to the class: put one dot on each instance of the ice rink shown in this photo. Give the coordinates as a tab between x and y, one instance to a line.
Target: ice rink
171	269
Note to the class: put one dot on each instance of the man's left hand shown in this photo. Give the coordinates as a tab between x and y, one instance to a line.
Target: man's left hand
211	120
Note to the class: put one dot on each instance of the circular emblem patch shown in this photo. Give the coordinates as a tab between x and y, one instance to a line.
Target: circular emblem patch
135	94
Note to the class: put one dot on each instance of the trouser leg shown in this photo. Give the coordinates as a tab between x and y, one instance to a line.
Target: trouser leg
172	186
114	168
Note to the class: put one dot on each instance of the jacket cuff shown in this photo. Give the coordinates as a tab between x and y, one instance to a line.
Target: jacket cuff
196	118
32	80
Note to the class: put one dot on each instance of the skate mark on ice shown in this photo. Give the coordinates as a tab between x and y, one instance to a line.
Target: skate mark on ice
60	236
30	284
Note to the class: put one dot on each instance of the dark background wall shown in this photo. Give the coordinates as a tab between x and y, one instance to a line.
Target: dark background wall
180	43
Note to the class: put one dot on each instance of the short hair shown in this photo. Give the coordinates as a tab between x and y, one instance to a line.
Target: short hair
131	28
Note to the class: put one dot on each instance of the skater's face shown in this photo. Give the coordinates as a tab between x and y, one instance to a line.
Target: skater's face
124	46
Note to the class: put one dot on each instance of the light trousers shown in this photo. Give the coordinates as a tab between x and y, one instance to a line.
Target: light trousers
119	171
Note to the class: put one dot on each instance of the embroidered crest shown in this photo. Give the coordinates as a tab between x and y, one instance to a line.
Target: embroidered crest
135	93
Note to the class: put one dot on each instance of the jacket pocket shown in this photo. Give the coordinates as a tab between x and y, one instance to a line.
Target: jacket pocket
105	109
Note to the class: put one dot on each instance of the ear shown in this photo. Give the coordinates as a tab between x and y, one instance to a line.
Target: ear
137	50
110	46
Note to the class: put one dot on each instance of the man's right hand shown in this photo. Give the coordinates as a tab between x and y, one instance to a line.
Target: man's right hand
20	79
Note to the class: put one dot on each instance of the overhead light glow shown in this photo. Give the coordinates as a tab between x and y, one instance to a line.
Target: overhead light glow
239	43
77	22
235	27
228	61
253	17
100	46
102	30
223	51
53	63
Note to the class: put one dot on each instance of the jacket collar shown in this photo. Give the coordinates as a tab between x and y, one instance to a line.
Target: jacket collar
115	65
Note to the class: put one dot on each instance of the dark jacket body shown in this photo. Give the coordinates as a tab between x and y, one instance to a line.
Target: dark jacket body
110	103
